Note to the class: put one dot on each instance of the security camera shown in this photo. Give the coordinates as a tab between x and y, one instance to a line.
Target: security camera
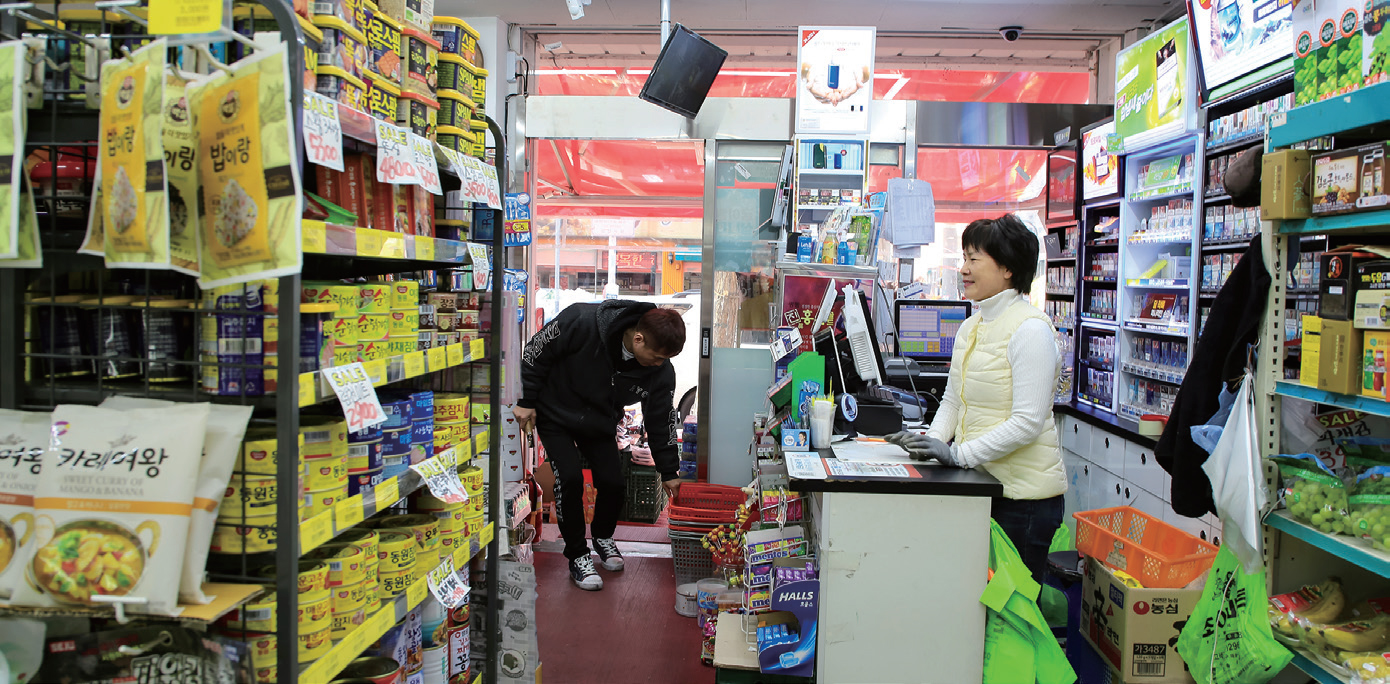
551	47
576	8
1011	33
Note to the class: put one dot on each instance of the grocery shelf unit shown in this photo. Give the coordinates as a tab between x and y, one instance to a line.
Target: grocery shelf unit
32	307
825	170
1096	303
1063	239
1300	554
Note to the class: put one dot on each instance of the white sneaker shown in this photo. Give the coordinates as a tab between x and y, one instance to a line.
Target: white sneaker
608	554
584	575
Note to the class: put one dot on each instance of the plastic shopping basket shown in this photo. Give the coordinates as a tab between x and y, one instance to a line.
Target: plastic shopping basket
1157	554
702	503
693	562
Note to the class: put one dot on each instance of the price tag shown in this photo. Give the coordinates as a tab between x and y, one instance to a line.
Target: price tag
323	133
487	534
376	370
489	191
476	349
314	238
387	492
308	388
369	242
424	248
465	450
480	443
453	159
174	17
335	660
438	358
446	586
354	389
315	532
425	165
395	161
482	268
416	592
414	364
440	475
380	622
455	353
349	512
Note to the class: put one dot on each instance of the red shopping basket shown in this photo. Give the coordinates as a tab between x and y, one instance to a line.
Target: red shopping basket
1157	554
705	504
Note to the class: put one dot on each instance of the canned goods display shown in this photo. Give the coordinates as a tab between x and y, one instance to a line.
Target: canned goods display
370	434
373	326
254	535
343	332
377	669
404	323
314	610
260	451
359	483
365	457
248	496
314	645
451	408
400	345
257	615
313	575
369	541
346	565
325	472
394	583
396	442
424	526
320	431
405	294
373	298
395	552
321	501
399	413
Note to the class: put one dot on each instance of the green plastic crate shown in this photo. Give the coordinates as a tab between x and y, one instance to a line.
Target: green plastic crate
646	498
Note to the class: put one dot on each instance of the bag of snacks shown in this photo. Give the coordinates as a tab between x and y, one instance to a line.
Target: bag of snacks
167	654
1314	494
221	446
23	439
113	504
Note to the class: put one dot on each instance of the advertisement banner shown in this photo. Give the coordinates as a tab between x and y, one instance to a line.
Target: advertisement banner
1100	163
1236	37
1153	90
835	86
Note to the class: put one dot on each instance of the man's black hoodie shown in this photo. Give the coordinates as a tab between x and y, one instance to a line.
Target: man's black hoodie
574	375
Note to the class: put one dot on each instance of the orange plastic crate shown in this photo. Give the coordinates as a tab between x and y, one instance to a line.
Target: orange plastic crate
1157	554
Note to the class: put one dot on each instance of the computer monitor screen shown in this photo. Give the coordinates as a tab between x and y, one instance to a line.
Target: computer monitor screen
927	329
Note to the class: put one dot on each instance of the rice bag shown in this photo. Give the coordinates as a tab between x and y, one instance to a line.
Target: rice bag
221	446
133	182
23	439
112	507
1314	494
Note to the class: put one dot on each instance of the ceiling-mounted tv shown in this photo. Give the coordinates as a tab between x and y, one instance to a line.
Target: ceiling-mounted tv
1237	37
684	72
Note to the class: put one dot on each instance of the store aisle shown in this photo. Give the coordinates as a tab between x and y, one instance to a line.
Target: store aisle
628	633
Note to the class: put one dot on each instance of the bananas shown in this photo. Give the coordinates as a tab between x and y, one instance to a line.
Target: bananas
1330	605
1321	604
1359	635
1369	668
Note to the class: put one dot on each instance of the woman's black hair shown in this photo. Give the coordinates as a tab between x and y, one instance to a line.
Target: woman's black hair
1009	242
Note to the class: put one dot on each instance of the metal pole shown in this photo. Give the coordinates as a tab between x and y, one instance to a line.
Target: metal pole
494	500
612	260
665	21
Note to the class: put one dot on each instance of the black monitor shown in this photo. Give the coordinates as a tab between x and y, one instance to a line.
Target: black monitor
683	73
927	328
833	344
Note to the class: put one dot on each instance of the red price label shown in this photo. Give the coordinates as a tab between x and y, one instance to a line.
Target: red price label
323	132
354	388
395	159
425	165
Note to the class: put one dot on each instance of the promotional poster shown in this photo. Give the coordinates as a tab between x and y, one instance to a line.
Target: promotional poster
1236	37
835	85
1100	165
1151	86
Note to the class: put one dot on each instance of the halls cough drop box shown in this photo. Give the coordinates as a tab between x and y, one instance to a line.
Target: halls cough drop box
1132	629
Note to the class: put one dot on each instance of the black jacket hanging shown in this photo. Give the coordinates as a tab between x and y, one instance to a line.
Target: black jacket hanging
1220	356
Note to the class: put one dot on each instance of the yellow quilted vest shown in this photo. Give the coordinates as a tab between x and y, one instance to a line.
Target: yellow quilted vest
986	380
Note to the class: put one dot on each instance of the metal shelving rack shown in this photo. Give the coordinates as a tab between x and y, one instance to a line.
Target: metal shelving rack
69	125
1351	115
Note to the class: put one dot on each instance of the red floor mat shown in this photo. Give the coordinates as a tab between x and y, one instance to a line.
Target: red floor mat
653	534
629	633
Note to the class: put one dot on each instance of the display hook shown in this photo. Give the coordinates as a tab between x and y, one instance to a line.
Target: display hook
18	9
119	602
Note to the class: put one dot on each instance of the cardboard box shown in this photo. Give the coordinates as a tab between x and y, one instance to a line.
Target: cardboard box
1373	192
1336	182
1284	179
329	182
351	189
1333	54
1133	629
1339	284
1312	351
1339	363
1377	347
1372	308
368	164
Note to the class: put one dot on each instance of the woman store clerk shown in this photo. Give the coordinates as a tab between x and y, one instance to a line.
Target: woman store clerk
996	413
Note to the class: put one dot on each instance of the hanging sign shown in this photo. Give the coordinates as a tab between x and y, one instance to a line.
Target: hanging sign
835	84
425	165
323	132
441	476
1154	87
518	220
177	17
480	183
446	586
395	160
482	268
354	388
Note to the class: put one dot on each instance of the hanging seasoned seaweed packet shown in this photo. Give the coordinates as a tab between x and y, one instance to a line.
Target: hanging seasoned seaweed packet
133	182
30	254
12	121
94	242
180	161
247	172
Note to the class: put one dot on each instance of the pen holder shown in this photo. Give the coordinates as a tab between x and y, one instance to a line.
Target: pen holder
822	423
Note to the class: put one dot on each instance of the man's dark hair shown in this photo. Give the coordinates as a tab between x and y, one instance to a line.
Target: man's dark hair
664	330
1009	242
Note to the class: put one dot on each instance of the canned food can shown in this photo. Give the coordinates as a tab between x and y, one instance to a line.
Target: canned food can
373	326
399	413
315	609
472	479
343	332
344	623
405	294
373	298
313	575
393	584
253	535
163	341
425	562
248	496
451	408
324	431
395	552
349	597
346	564
399	345
460	652
364	457
422	430
425	527
257	615
343	356
359	483
445	322
376	669
324	472
366	539
396	442
372	351
443	302
404	323
395	466
370	434
313	645
321	501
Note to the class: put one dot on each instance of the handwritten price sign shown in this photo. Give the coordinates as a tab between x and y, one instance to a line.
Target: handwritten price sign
395	161
446	586
323	133
482	267
354	388
441	475
425	165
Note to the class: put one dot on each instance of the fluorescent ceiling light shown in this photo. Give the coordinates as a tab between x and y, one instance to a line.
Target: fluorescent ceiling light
652	178
591	72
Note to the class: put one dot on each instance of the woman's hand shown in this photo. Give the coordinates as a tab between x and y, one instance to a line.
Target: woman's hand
922	447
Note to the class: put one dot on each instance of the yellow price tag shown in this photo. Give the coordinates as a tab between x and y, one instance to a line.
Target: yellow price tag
424	248
315	239
464	450
480	443
376	370
393	246
174	17
487	534
380	622
476	349
438	359
315	531
387	493
455	354
308	388
369	242
349	512
415	593
414	364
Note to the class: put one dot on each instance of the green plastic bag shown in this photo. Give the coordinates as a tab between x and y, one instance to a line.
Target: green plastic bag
1019	646
1052	601
1227	640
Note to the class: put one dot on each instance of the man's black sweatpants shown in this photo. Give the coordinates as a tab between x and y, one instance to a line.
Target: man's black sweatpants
563	449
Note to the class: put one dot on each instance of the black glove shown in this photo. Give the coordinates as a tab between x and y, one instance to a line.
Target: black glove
922	447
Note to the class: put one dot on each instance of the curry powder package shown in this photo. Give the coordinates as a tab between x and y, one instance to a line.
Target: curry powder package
112	509
23	439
